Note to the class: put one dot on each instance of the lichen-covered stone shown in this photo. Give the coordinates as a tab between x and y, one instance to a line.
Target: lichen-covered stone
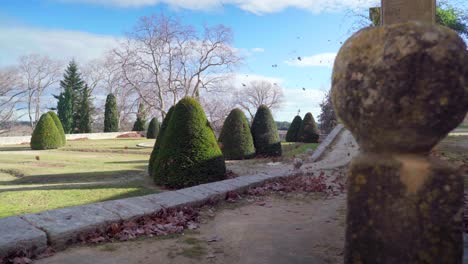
401	87
403	209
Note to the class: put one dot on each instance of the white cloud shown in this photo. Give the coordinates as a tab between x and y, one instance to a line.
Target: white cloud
58	44
254	6
323	60
258	50
306	101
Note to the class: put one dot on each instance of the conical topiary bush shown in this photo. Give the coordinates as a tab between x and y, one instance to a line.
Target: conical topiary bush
293	131
308	133
111	115
59	126
46	134
236	140
153	128
265	134
157	145
189	153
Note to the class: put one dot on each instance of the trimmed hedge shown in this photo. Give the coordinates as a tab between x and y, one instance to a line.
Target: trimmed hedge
308	133
46	134
153	128
59	126
293	131
265	134
189	154
157	145
236	140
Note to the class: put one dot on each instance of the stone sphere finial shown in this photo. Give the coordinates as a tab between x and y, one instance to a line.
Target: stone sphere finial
401	88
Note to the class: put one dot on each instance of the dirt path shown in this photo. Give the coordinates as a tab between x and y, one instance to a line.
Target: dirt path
300	229
296	228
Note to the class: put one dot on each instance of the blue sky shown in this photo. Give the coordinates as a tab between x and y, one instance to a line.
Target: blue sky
266	31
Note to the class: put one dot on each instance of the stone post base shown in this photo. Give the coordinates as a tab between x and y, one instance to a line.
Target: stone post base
403	209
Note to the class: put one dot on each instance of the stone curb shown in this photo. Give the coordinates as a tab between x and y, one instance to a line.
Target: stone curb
318	153
62	227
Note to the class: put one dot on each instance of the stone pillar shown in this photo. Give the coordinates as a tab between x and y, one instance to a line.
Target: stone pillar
400	89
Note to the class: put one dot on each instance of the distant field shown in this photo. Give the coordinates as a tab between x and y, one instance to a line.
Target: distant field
87	171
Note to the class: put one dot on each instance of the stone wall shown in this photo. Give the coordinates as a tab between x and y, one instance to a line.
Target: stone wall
26	139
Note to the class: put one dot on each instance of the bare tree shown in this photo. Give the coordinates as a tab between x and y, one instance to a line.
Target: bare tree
104	76
257	93
10	93
164	60
217	107
39	74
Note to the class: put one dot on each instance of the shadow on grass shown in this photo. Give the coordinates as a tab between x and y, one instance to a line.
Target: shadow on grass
88	186
22	148
82	177
130	162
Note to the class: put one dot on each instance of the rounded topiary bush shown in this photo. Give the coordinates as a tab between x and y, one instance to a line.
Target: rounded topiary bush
157	145
153	128
308	133
293	131
236	140
265	134
189	153
59	126
46	134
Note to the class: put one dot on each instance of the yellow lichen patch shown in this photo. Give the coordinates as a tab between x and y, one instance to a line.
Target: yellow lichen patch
414	172
361	179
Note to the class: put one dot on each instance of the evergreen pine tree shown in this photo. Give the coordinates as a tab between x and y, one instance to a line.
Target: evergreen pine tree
85	110
111	116
72	88
65	109
140	123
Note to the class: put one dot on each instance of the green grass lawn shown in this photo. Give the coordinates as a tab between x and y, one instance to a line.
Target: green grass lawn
83	172
80	173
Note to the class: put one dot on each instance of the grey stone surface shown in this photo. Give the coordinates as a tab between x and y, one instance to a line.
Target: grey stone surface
18	235
172	199
200	192
221	187
254	180
63	226
318	153
131	208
